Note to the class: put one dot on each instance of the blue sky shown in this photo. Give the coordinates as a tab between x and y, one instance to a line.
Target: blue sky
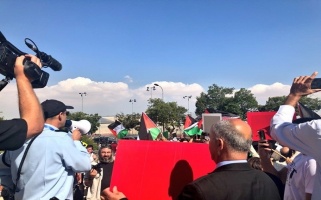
113	50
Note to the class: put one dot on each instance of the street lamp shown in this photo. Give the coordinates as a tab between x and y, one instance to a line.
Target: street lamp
132	101
162	90
82	100
151	90
188	97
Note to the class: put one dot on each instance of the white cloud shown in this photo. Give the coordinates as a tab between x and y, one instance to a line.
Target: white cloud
263	92
129	79
107	98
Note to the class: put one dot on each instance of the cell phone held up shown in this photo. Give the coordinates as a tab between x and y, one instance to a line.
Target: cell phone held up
316	83
261	134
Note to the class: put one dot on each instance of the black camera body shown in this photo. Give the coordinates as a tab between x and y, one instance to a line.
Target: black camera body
97	168
8	55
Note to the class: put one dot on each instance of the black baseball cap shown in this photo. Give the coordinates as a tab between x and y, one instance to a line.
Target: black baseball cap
52	107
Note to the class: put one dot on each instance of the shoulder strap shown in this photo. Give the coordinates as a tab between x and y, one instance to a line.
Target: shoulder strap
21	163
4	159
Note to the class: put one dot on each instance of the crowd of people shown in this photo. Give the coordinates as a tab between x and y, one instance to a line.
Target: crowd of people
41	161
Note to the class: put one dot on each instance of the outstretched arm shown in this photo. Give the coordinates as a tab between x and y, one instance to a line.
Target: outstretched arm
29	106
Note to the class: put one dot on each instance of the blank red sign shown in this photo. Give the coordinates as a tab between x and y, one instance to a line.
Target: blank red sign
158	170
258	121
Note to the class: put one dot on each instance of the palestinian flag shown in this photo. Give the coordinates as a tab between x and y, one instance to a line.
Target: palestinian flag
306	112
118	129
148	129
191	126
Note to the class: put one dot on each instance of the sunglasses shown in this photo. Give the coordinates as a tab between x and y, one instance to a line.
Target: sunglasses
66	112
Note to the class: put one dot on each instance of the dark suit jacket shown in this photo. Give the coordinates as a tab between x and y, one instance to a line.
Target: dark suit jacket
231	182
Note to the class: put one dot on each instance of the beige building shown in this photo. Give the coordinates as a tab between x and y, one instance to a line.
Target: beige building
103	129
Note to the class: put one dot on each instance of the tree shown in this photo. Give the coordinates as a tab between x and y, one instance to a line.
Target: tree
273	103
92	118
201	103
129	121
221	98
311	103
164	114
245	101
89	141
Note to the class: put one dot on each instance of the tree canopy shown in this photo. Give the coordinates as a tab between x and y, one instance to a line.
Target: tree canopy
165	113
273	103
222	98
129	121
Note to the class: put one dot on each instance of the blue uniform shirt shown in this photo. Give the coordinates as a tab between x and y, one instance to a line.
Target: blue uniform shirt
49	167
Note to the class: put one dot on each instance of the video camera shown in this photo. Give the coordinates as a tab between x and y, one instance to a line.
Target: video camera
8	55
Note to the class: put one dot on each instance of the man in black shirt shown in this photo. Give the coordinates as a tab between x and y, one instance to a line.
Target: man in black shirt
100	176
13	133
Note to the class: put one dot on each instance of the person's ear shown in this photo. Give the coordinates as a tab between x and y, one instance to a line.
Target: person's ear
60	116
220	143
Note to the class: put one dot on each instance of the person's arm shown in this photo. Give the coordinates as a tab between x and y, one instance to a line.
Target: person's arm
29	107
301	86
293	135
263	150
75	155
89	176
113	195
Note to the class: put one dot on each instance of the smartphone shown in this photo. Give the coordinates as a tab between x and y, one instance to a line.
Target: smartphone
261	134
316	83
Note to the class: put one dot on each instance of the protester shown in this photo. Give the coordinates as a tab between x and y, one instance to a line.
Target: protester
13	133
278	177
303	137
52	160
230	142
90	150
99	176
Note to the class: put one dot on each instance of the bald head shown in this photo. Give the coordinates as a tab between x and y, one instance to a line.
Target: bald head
242	128
236	133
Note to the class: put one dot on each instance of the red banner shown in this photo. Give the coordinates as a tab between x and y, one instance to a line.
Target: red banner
260	121
158	170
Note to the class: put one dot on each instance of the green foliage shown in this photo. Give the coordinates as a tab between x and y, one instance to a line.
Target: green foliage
129	121
311	103
221	98
273	103
89	141
165	114
92	118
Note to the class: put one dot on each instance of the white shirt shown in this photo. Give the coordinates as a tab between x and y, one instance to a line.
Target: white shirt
304	137
220	164
300	178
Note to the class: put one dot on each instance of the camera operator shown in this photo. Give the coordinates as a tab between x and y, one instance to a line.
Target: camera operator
13	133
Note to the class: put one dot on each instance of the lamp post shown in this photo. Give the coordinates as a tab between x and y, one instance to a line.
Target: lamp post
162	90
151	88
132	101
82	94
188	97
